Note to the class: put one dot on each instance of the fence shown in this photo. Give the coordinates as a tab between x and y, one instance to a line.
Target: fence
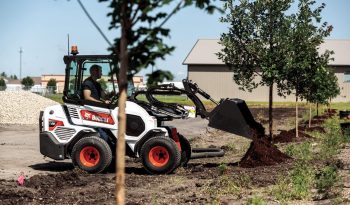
44	91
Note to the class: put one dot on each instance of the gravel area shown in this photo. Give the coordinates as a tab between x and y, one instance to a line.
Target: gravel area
22	107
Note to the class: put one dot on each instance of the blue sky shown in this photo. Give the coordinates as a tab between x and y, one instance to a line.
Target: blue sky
41	28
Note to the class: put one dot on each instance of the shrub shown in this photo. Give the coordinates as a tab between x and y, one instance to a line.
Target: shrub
27	82
326	178
300	151
302	180
255	201
297	185
52	84
2	84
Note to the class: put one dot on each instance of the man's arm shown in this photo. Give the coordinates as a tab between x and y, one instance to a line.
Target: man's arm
87	96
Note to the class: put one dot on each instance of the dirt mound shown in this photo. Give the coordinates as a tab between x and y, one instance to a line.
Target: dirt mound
289	136
70	187
262	153
313	129
56	180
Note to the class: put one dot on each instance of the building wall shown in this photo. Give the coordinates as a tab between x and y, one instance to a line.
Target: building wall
59	81
218	82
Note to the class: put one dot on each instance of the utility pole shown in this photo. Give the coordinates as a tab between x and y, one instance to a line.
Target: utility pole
20	63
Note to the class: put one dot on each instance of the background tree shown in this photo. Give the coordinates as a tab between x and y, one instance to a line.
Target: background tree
323	85
52	85
303	57
139	45
103	83
256	44
27	82
3	74
2	84
15	77
158	77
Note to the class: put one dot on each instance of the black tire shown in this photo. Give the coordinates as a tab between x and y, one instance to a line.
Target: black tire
186	150
91	154
167	153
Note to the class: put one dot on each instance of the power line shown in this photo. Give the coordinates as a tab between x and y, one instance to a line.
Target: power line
94	23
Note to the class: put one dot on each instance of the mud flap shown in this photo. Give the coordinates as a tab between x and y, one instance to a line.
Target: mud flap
234	116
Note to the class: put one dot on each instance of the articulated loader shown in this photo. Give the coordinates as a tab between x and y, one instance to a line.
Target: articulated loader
77	128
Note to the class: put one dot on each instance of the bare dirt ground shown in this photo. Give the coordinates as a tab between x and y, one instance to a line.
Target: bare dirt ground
203	181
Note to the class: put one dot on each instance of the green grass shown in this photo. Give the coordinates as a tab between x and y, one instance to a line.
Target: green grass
256	201
56	97
302	151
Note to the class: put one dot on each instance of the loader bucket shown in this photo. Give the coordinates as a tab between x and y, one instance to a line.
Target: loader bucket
234	116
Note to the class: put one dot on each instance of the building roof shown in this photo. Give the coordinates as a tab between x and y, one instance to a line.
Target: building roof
204	52
37	80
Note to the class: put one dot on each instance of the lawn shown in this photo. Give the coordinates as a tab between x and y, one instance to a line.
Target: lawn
183	100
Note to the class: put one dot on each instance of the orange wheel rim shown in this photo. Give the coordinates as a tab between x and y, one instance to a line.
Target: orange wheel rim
89	156
158	156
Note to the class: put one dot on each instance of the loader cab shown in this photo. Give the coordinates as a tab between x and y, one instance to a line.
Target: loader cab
78	70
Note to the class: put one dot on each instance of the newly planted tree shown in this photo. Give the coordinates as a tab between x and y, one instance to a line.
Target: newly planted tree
256	44
303	56
322	86
141	23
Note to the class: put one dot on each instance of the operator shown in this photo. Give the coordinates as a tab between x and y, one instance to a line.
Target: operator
92	89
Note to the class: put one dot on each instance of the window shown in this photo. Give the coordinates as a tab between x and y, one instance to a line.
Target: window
105	80
347	77
72	90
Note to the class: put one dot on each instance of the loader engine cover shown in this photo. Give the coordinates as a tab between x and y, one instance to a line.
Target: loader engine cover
233	116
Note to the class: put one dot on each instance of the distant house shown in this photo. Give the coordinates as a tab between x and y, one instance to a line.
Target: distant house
15	85
12	84
213	76
59	81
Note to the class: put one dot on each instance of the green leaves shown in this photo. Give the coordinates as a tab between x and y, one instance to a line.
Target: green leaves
2	84
158	76
255	44
27	82
145	28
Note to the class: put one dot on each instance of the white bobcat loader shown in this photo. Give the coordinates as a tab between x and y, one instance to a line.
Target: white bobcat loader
86	131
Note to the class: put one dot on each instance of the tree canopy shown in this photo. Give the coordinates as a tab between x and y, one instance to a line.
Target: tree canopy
146	31
27	82
2	84
158	76
256	44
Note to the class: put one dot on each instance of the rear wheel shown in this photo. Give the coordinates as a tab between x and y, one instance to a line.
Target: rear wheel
160	155
91	154
185	150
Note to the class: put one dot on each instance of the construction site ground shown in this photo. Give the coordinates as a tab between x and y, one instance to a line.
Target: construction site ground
203	181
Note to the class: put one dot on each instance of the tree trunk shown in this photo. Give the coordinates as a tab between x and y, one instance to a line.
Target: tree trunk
122	82
310	116
270	112
317	109
296	116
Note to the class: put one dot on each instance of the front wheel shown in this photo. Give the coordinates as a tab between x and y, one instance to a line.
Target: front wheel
160	155
91	154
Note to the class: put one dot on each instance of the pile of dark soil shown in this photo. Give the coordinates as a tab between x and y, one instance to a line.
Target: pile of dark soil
289	136
262	153
313	129
71	187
